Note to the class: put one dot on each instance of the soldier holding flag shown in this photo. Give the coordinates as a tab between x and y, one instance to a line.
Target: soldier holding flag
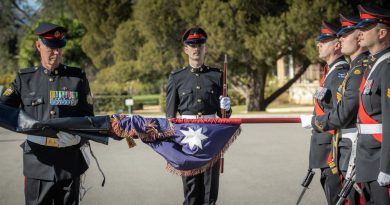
51	165
194	91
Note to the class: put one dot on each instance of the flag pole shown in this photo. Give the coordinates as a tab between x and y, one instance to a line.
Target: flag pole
238	120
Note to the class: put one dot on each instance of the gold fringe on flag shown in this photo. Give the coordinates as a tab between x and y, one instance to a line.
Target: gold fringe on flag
210	164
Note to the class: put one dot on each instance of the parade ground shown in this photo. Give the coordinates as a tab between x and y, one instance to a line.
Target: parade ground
265	165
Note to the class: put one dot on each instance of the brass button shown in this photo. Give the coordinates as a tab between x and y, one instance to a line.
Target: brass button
183	93
52	112
56	72
201	69
51	79
199	100
198	87
45	71
197	74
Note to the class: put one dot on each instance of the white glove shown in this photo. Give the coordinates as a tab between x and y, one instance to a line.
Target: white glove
224	103
66	140
306	121
383	179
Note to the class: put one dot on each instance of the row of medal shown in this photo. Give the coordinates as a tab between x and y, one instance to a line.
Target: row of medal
64	98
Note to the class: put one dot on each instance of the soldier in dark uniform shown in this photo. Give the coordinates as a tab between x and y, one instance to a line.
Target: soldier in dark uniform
343	117
52	165
336	67
194	91
373	150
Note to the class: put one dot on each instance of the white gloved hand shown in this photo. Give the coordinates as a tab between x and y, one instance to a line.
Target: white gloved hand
306	121
383	179
224	103
66	140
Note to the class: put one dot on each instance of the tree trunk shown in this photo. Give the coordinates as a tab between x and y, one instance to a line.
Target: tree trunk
281	90
255	97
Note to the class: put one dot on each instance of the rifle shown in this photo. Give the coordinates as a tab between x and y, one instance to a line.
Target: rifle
347	188
306	182
349	183
223	111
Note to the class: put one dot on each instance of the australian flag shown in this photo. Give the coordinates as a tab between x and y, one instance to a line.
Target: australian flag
188	148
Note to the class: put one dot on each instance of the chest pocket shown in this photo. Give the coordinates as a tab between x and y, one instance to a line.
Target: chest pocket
33	101
34	106
212	97
185	95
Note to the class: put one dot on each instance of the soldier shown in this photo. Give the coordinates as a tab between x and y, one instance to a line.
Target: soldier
329	50
51	165
343	117
195	92
373	147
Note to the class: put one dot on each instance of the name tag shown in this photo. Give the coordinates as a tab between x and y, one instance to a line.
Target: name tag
368	87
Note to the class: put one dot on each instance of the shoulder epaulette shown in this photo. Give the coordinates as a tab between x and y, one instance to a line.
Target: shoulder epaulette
341	66
214	69
178	70
28	70
74	69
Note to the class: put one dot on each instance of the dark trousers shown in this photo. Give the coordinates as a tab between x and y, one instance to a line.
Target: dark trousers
202	189
331	183
49	192
353	197
375	194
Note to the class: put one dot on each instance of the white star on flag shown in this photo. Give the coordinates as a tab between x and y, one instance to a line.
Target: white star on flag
193	138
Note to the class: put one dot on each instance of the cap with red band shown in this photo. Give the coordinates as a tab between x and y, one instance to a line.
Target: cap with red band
371	15
52	35
195	35
328	31
348	24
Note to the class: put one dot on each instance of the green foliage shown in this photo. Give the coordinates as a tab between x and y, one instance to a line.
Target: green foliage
6	79
100	18
116	103
9	34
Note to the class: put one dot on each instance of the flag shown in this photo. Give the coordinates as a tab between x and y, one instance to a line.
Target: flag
188	148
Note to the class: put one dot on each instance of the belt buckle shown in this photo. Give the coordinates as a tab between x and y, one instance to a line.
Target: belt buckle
51	142
199	115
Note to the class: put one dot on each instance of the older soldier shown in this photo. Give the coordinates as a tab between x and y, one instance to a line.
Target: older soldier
373	152
194	91
329	50
52	165
343	117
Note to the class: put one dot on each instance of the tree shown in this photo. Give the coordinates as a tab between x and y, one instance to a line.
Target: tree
13	17
101	19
